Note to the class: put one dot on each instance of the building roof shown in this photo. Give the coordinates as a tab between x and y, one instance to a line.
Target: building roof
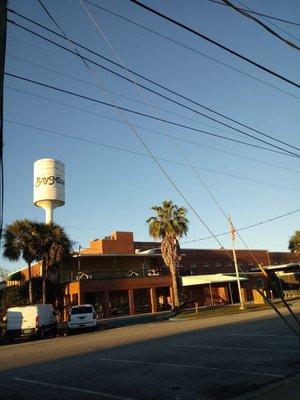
206	279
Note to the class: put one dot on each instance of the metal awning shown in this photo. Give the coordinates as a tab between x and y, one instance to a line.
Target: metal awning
279	267
207	279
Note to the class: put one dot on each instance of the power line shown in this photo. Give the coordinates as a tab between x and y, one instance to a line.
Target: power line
269	22
113	147
247	227
287	153
159	85
197	33
191	49
257	13
112	91
266	27
152	130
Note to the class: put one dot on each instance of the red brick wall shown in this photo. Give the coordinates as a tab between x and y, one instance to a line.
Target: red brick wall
117	243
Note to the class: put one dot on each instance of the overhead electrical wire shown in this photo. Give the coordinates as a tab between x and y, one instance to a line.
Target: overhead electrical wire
159	85
231	51
256	13
266	27
118	148
155	107
191	49
114	92
152	130
247	227
286	152
271	23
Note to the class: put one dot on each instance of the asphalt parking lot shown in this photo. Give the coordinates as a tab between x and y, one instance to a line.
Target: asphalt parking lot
215	358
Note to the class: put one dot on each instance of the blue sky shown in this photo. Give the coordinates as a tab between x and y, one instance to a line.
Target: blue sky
107	189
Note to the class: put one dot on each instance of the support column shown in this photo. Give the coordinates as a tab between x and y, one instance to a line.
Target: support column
171	297
211	295
106	305
80	298
153	300
230	292
131	302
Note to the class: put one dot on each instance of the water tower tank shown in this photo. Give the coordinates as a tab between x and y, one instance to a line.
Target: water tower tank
49	185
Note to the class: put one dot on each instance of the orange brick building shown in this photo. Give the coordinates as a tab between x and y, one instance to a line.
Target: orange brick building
122	277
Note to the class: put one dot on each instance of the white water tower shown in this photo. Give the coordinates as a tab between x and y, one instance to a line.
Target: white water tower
49	185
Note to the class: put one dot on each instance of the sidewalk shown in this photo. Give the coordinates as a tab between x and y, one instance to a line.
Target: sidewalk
287	389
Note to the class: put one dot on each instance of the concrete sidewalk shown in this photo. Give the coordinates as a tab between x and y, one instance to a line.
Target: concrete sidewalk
285	389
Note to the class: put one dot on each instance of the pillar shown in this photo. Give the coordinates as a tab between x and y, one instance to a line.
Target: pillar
171	303
211	295
153	300
80	295
106	305
131	302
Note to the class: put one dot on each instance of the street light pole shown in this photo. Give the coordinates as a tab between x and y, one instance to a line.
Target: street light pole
232	234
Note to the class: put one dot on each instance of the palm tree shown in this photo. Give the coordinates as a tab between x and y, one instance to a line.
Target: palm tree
55	247
169	225
20	240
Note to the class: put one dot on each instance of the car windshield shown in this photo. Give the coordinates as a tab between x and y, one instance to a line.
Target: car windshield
82	310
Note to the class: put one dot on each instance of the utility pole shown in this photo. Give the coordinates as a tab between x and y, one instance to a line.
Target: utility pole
232	234
3	28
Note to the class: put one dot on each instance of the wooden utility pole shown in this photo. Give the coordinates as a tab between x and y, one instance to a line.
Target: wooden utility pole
232	234
3	28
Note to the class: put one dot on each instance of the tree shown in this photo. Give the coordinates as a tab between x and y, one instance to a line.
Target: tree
169	225
3	273
14	296
294	243
54	248
20	241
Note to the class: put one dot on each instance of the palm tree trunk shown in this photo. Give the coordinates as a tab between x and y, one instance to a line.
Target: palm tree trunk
44	265
169	252
30	287
176	303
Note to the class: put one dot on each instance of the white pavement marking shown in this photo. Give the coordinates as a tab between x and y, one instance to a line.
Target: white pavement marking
237	348
261	335
74	389
232	371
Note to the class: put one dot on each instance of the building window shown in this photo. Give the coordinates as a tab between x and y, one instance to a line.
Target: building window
229	264
218	264
206	265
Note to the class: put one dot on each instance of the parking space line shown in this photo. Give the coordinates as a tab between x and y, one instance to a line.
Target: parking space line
236	348
231	371
74	389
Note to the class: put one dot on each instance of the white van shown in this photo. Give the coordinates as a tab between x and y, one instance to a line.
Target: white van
82	317
37	320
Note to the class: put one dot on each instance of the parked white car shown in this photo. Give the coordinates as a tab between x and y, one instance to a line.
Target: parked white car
29	321
82	317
